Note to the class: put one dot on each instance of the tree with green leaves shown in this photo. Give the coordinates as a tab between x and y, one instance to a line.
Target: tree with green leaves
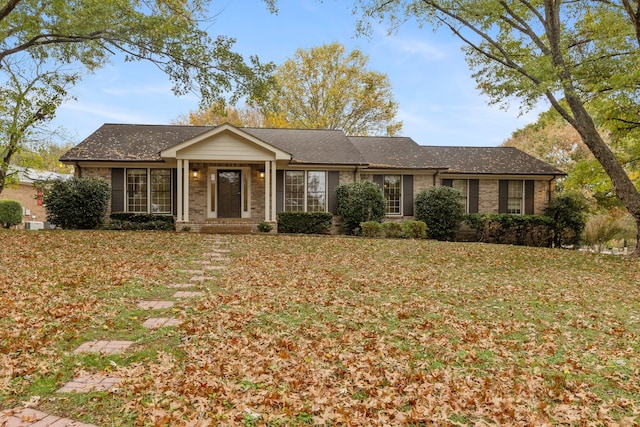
30	97
326	87
581	57
87	34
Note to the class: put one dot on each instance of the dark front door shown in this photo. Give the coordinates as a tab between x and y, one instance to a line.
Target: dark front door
229	193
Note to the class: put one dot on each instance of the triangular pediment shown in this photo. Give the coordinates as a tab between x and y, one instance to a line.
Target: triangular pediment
225	143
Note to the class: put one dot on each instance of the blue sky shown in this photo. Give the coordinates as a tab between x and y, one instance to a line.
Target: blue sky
439	104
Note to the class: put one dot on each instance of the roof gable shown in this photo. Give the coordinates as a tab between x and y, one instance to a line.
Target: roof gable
225	142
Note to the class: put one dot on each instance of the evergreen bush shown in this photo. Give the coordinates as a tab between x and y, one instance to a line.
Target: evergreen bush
568	212
414	229
440	209
359	202
78	203
392	230
305	222
10	213
371	229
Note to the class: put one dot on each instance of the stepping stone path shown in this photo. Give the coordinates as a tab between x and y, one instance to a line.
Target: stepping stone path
155	305
187	294
100	382
30	417
105	347
89	383
158	322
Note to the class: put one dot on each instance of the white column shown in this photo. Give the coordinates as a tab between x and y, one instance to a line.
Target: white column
267	190
186	190
179	190
273	191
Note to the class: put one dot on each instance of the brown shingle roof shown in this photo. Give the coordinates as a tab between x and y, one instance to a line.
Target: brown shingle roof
395	152
123	142
490	160
143	143
316	146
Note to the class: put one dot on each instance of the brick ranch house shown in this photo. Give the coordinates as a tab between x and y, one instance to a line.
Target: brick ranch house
217	178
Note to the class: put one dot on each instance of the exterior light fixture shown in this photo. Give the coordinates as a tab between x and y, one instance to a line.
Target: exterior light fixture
261	174
194	173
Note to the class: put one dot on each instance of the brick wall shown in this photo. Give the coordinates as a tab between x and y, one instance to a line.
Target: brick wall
26	195
488	196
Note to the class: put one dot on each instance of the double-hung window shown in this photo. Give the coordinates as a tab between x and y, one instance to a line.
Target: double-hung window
462	185
149	191
137	190
392	190
305	191
515	197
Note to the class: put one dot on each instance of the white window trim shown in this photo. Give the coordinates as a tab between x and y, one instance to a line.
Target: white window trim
522	201
148	172
466	200
401	210
306	192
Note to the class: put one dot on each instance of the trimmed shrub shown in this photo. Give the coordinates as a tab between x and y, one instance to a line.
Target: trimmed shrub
141	217
392	230
305	222
78	203
414	229
440	209
526	230
568	212
157	225
10	213
359	202
371	229
264	227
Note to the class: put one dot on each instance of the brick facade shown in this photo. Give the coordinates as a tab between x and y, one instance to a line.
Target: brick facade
25	194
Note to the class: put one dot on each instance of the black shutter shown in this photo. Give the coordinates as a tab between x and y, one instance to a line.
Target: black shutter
474	195
503	196
407	195
332	182
117	190
447	183
279	191
174	191
379	179
528	197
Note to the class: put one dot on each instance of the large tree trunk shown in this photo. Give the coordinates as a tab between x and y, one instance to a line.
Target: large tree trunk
622	184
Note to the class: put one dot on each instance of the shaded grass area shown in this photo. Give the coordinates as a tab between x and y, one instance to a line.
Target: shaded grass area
329	331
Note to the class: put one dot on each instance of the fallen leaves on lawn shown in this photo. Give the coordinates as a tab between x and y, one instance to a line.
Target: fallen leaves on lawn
343	331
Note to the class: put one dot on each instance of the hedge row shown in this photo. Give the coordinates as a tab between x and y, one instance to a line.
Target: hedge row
525	230
305	222
403	230
131	221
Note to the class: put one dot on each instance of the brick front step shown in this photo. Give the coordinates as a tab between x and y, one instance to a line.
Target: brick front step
222	226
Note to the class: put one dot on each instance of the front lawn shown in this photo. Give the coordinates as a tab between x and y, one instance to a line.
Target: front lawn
322	331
